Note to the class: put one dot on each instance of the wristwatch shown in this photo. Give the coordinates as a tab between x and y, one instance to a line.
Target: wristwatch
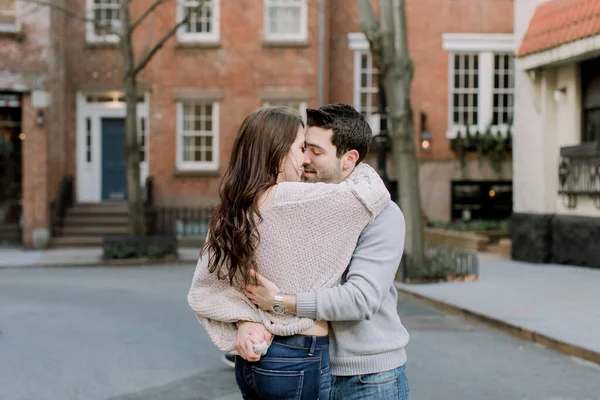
278	307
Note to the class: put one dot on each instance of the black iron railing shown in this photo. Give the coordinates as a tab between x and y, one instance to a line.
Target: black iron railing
579	173
181	222
60	204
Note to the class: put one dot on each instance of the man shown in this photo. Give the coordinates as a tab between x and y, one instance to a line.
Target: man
367	338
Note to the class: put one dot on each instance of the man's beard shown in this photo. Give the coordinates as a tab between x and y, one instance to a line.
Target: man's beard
332	175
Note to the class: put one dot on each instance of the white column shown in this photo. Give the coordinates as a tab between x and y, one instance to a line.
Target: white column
486	88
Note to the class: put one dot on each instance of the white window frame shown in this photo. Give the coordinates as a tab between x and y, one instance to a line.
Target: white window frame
198	165
301	36
200	37
12	28
91	35
288	103
358	43
486	46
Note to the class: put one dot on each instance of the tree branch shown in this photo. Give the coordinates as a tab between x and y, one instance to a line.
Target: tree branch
107	28
145	14
368	22
372	30
144	61
388	32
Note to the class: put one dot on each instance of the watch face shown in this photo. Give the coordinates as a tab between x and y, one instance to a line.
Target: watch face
278	309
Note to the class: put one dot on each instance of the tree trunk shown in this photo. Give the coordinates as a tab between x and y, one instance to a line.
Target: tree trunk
390	47
137	225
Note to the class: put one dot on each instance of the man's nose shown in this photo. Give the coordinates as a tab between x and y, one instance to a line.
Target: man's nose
306	160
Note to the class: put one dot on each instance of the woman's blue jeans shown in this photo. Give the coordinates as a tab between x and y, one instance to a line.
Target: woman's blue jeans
294	368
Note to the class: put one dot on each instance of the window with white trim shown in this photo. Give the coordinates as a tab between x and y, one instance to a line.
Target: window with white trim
203	25
504	84
198	136
8	16
480	82
366	84
465	89
481	91
142	138
107	15
285	20
298	106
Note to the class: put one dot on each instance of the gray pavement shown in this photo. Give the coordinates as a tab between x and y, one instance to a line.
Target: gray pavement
561	302
13	257
128	334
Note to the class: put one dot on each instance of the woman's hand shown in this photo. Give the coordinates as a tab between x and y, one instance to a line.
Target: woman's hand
263	293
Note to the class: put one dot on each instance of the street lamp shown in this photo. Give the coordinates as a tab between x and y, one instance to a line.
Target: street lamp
425	137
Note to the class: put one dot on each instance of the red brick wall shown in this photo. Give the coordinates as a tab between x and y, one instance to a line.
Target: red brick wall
241	66
35	173
427	20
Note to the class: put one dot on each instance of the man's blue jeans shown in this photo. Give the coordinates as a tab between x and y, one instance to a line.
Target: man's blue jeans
388	385
294	368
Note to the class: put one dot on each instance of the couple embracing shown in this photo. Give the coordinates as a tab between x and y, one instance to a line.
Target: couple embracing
297	273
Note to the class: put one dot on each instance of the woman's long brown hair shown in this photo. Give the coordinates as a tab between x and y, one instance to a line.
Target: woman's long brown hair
262	143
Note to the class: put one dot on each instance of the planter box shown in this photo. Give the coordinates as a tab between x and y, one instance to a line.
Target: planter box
455	239
125	247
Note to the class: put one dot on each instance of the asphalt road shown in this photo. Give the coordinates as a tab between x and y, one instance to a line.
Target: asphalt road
128	334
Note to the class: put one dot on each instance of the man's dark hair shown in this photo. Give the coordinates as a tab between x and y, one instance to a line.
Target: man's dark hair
350	128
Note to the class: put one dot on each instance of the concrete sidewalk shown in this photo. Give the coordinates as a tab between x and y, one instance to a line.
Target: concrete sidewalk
558	306
15	258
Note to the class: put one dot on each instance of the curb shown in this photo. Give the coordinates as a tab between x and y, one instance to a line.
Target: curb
514	330
133	262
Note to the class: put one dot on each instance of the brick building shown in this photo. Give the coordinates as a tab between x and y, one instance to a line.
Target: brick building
236	56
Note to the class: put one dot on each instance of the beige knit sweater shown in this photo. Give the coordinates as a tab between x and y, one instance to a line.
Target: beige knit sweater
307	237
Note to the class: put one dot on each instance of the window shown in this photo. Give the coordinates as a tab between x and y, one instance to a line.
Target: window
285	20
465	90
8	16
203	25
366	84
503	89
198	136
590	84
88	140
480	82
107	14
299	106
142	138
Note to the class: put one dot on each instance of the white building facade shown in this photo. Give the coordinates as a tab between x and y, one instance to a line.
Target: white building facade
556	141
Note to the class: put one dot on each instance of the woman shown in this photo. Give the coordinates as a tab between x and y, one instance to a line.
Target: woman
299	235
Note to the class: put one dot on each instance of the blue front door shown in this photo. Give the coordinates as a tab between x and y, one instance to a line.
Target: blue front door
114	165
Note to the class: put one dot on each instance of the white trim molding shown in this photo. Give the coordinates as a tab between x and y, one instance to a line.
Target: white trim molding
207	166
89	141
479	42
564	54
214	36
283	37
90	31
357	41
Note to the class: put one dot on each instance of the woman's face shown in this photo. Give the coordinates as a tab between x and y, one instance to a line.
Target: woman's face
292	164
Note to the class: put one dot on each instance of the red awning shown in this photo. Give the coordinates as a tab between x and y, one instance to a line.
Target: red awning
559	22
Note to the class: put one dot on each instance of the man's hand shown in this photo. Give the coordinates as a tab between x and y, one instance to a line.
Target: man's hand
250	333
263	293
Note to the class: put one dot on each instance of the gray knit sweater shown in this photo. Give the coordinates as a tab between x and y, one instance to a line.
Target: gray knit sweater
366	334
307	238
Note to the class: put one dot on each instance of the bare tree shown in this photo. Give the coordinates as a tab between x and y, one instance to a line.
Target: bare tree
131	68
389	47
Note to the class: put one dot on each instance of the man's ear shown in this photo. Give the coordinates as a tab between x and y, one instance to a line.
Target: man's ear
350	159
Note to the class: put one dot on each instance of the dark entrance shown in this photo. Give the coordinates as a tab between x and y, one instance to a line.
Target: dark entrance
481	200
11	139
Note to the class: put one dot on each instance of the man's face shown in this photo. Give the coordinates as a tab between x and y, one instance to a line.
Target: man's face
320	161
